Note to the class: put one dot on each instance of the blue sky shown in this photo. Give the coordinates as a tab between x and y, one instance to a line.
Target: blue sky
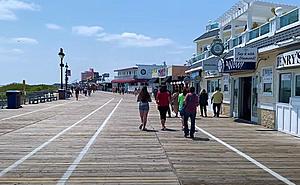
102	34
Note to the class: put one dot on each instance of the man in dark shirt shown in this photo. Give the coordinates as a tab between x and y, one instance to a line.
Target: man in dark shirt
190	108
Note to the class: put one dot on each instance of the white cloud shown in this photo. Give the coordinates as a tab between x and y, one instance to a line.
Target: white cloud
87	30
14	51
7	8
24	40
53	26
133	39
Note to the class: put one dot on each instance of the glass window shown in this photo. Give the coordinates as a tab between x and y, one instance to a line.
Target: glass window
289	18
297	86
208	86
285	88
268	87
267	81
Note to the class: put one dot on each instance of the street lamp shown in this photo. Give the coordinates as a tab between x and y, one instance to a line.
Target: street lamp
61	56
66	77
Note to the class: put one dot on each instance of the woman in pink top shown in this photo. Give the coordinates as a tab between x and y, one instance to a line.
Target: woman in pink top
163	101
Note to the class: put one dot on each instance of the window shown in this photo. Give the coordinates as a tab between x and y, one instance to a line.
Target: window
267	80
297	85
285	88
208	86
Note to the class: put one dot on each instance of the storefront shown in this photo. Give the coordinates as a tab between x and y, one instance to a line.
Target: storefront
240	88
288	104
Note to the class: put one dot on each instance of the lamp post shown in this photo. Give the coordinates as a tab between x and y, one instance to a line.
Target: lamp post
61	91
66	77
61	56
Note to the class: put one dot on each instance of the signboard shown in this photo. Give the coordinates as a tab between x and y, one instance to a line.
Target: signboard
162	72
229	65
245	55
68	72
217	47
289	59
210	65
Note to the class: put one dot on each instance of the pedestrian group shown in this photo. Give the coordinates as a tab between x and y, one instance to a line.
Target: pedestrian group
185	104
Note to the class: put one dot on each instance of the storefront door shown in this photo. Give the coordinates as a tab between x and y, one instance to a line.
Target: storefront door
246	89
254	116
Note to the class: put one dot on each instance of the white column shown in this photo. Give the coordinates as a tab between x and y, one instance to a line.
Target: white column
222	33
232	29
249	19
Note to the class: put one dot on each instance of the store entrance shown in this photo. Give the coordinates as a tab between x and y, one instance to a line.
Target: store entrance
246	88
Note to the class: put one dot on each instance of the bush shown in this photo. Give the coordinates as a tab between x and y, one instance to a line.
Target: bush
28	88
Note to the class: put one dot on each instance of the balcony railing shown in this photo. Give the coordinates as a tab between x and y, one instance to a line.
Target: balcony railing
267	28
289	18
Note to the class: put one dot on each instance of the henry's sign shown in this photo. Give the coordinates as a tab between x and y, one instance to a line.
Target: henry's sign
245	54
288	59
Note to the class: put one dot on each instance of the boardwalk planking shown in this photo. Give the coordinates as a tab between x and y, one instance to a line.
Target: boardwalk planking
122	154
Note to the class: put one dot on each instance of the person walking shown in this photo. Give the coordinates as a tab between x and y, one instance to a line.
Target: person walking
143	99
163	101
170	97
203	98
191	102
217	100
77	89
181	97
175	105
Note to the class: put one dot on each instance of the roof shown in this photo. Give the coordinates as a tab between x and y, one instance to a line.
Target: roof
211	33
134	67
240	10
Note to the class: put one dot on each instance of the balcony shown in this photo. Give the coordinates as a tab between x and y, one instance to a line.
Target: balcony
199	57
268	29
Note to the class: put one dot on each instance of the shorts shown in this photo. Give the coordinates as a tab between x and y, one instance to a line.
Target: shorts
144	107
163	112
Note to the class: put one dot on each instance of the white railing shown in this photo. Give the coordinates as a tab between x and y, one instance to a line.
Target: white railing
269	28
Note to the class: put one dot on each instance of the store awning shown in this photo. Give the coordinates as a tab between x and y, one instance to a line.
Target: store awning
128	80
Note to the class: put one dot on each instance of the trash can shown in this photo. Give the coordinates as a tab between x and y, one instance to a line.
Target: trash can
61	94
13	99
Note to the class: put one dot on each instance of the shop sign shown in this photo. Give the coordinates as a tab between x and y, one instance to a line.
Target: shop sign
230	65
245	55
187	80
162	72
217	47
68	72
210	65
154	73
288	59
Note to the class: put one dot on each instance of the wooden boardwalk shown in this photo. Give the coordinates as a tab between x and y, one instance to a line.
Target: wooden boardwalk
96	141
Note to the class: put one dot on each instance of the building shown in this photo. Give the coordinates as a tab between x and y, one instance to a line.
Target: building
90	76
135	77
259	71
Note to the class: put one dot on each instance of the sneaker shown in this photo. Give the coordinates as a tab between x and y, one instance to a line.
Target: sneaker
141	126
144	129
163	129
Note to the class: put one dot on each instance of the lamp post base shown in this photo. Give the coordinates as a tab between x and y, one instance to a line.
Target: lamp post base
61	94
